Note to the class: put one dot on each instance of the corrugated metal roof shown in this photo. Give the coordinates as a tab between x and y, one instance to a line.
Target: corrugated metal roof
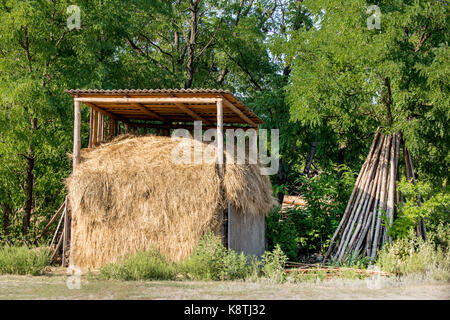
150	91
172	112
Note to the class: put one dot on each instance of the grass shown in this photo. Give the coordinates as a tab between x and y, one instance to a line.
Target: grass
407	257
149	265
209	261
23	260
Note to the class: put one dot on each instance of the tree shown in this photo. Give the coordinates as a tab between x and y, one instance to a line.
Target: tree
355	78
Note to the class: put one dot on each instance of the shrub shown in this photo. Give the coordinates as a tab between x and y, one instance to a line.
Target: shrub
212	261
282	231
434	208
308	229
23	260
148	265
413	256
273	264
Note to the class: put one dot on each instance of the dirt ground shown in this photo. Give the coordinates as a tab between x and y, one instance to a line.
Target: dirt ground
63	287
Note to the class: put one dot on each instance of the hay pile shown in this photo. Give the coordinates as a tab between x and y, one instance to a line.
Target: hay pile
127	195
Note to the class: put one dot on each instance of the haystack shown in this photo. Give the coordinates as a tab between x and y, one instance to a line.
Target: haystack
127	195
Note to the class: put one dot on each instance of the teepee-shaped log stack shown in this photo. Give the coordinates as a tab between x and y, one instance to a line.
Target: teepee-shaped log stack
362	230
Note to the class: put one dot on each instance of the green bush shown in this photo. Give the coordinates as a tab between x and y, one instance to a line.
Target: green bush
307	230
212	261
273	264
282	231
434	208
148	265
23	260
413	256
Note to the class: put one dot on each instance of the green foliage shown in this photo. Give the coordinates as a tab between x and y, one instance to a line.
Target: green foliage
23	260
149	265
355	79
413	256
209	261
326	197
421	202
273	264
281	232
309	229
212	261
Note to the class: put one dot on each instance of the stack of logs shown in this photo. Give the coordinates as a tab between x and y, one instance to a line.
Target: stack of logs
370	210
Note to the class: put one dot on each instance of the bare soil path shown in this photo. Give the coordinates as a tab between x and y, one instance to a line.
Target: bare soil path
56	287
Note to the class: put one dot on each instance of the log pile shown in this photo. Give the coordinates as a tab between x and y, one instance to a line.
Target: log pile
370	209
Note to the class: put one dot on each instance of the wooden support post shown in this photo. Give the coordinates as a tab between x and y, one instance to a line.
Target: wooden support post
95	130
66	232
115	127
220	134
221	168
76	135
76	162
91	120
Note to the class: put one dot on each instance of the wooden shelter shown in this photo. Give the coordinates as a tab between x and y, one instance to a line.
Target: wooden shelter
157	111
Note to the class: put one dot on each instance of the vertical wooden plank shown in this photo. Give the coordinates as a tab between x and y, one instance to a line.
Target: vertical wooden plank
100	127
115	127
91	119
95	135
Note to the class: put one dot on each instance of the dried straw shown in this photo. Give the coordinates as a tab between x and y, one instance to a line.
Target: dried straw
127	195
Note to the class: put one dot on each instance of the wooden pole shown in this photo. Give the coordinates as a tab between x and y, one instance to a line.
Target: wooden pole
76	136
91	120
382	204
65	236
221	169
356	189
358	204
220	134
392	179
95	130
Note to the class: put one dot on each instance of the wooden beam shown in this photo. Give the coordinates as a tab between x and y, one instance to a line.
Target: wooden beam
127	100
52	220
192	113
103	111
149	112
239	112
183	126
188	111
76	136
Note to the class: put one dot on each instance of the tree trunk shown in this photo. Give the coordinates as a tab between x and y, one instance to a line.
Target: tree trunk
312	153
281	179
29	184
190	67
7	213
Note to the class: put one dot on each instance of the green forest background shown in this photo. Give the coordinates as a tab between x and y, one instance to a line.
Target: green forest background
313	69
